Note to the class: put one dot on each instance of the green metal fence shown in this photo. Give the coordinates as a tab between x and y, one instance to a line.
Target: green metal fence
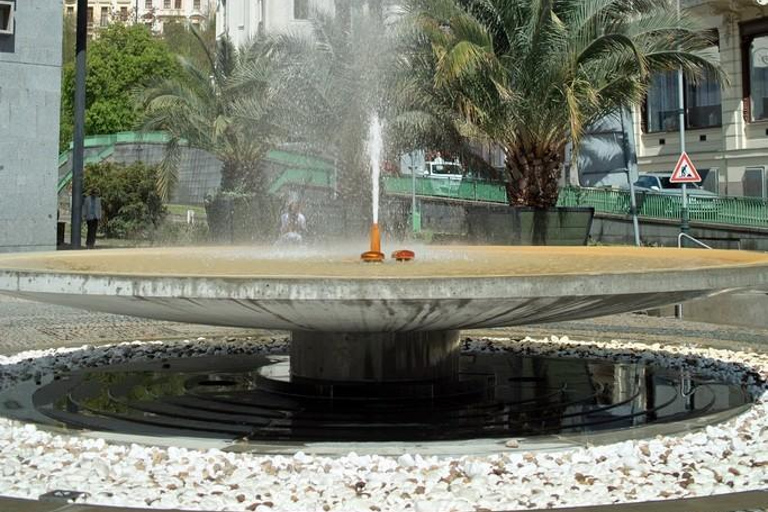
464	190
740	211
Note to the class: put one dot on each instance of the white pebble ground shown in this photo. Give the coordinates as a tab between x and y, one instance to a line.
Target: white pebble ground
729	457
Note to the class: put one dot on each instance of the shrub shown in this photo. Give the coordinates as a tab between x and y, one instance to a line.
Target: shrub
129	200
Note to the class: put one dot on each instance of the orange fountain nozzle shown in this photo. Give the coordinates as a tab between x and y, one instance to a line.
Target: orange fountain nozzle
374	255
403	255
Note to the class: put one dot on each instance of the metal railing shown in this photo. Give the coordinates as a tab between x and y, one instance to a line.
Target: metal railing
741	211
463	190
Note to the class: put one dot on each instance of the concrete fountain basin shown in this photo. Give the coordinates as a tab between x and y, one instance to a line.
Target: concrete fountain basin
446	288
352	321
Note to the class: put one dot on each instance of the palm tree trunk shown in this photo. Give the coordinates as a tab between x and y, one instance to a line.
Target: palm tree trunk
533	176
230	176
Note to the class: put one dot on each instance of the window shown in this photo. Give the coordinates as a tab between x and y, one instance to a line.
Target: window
196	5
147	4
754	62
178	4
754	182
123	14
90	15
104	19
301	9
166	4
703	105
6	18
662	106
758	78
70	11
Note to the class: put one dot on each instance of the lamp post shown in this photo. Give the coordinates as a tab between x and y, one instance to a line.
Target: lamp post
414	226
78	149
632	200
684	221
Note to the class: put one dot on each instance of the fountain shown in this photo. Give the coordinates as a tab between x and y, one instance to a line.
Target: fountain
376	355
383	333
353	322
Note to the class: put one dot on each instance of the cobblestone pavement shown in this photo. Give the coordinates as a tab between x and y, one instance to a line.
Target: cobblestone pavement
26	325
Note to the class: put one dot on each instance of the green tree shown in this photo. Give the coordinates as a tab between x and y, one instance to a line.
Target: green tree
129	199
184	40
121	59
225	107
533	74
66	128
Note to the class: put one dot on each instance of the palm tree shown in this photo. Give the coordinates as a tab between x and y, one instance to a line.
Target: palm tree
532	75
225	107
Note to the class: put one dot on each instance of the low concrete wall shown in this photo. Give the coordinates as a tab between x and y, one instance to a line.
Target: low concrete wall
449	218
747	309
617	229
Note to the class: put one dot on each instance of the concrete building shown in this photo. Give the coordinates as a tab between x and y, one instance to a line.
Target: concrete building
727	127
153	13
30	83
244	19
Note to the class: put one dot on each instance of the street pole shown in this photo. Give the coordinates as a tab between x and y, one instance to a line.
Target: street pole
136	13
413	194
632	199
684	223
79	144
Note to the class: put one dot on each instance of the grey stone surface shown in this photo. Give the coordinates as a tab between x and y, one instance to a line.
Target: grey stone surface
28	325
30	78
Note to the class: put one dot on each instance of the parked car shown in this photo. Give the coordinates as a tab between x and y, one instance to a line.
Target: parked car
444	170
702	204
659	182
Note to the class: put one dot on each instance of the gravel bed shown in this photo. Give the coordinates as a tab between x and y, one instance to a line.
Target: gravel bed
729	457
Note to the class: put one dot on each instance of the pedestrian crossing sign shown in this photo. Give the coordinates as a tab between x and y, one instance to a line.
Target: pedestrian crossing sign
685	171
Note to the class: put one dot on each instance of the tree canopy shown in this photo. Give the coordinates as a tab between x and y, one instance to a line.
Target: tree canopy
120	60
532	75
226	106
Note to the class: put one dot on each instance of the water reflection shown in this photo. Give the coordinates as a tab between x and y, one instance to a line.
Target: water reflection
497	395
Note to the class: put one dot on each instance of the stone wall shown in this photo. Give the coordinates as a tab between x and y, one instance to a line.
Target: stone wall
30	90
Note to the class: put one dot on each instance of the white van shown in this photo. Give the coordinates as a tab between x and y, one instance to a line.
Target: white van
443	170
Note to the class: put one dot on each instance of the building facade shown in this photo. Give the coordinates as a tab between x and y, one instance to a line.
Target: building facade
153	13
726	126
242	20
30	83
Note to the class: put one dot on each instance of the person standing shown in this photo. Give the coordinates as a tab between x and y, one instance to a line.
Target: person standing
92	216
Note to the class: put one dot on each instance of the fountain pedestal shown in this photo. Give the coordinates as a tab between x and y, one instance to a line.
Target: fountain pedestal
375	357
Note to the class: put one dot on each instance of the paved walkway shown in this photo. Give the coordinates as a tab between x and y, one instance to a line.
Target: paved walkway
28	325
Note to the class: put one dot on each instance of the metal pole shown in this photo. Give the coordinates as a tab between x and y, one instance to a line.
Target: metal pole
684	224
632	199
79	144
413	194
633	209
136	13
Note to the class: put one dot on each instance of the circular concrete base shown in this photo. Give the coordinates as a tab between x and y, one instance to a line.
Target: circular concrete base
375	357
443	289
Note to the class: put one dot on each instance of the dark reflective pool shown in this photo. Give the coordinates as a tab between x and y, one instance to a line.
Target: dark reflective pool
496	395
